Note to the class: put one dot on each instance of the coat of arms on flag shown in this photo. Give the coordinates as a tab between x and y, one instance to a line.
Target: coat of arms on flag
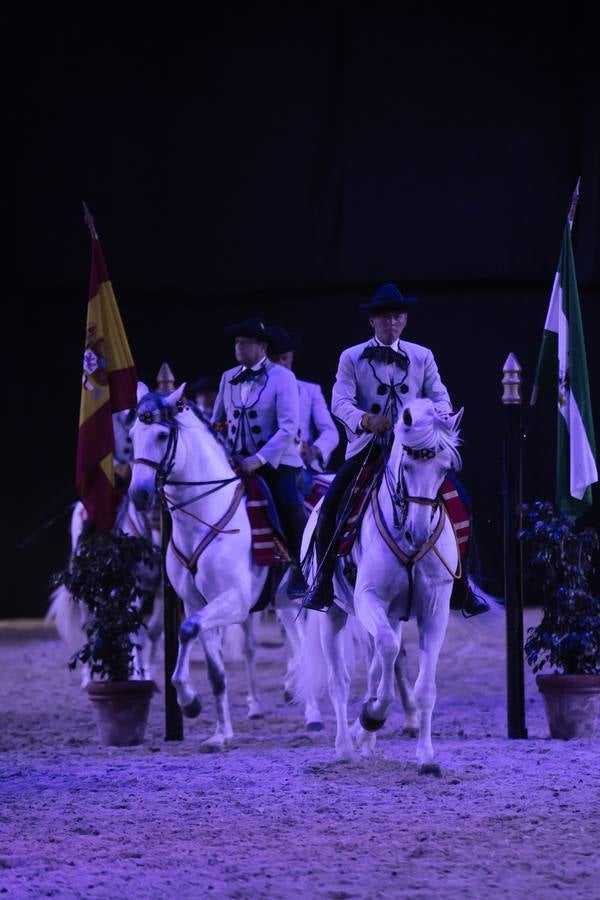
108	386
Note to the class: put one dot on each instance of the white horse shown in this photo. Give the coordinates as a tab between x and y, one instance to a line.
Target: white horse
406	559
209	559
69	617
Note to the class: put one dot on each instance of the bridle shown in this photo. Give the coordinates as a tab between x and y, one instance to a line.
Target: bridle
398	489
400	500
167	416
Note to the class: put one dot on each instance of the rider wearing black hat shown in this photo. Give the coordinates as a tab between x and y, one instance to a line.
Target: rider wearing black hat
374	381
257	404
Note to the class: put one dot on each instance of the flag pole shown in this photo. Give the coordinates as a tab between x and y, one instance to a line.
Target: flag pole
165	381
574	202
89	221
570	220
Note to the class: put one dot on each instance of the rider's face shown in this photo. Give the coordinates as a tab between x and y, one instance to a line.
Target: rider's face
249	351
389	325
284	359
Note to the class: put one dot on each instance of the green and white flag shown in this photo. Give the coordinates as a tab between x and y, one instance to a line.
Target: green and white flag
563	363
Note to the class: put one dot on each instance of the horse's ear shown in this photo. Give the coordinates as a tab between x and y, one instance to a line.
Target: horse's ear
173	398
455	419
407	418
142	390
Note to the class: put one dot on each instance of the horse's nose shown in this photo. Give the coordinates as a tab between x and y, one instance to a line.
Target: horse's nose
141	499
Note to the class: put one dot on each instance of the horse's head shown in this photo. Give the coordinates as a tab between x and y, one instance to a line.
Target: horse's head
156	448
425	449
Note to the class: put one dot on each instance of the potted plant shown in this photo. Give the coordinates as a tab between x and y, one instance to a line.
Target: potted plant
559	563
103	577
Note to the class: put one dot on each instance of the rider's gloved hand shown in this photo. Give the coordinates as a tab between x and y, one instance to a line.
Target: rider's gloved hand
250	464
309	453
375	424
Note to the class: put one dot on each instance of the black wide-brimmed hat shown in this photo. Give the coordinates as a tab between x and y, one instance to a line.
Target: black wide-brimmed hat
281	341
201	385
388	297
251	328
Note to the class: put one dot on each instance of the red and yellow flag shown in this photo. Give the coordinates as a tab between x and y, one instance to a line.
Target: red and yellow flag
108	386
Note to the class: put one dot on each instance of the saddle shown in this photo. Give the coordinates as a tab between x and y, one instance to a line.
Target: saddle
269	545
354	503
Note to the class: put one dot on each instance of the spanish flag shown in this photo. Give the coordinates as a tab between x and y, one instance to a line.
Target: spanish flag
108	386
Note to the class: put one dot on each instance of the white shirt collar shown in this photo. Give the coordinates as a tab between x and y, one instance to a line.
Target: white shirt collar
394	346
256	367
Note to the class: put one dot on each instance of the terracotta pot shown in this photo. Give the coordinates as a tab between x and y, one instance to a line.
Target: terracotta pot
121	710
572	703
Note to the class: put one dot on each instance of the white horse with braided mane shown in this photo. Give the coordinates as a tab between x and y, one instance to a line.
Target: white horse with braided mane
209	558
406	559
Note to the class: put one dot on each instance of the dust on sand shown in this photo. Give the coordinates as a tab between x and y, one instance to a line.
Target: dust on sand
274	815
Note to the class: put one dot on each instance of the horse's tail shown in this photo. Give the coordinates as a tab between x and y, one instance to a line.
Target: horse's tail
311	674
65	614
234	641
486	623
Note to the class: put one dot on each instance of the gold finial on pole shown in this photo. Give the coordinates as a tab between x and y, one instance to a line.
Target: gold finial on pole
89	221
511	380
165	380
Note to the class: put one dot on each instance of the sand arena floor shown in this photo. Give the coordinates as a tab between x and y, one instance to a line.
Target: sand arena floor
274	815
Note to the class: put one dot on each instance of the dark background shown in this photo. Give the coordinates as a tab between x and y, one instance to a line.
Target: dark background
284	159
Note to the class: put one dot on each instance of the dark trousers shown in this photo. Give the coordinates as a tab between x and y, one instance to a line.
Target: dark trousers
326	523
283	483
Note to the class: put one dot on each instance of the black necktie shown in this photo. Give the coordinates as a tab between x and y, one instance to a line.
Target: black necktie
386	355
247	375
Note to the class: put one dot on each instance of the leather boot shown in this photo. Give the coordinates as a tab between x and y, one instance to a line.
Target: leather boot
466	600
296	586
320	595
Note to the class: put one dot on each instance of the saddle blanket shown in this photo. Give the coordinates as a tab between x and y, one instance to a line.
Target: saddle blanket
268	544
455	503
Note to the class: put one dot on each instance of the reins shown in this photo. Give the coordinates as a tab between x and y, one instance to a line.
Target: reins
163	469
400	499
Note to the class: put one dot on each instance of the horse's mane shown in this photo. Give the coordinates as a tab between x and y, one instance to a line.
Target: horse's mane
430	430
153	400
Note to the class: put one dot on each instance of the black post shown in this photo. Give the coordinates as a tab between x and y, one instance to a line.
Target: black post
171	604
512	490
173	717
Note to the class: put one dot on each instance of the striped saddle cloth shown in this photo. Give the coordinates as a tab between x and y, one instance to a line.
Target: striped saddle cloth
453	495
268	541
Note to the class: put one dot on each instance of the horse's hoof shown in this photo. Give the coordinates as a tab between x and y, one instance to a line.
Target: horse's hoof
216	743
288	696
367	721
410	731
345	755
430	769
314	726
192	710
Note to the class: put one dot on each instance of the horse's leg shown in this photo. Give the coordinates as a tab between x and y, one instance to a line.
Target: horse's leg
155	627
228	608
254	707
432	630
406	691
332	626
212	642
293	627
374	671
86	669
371	612
292	624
